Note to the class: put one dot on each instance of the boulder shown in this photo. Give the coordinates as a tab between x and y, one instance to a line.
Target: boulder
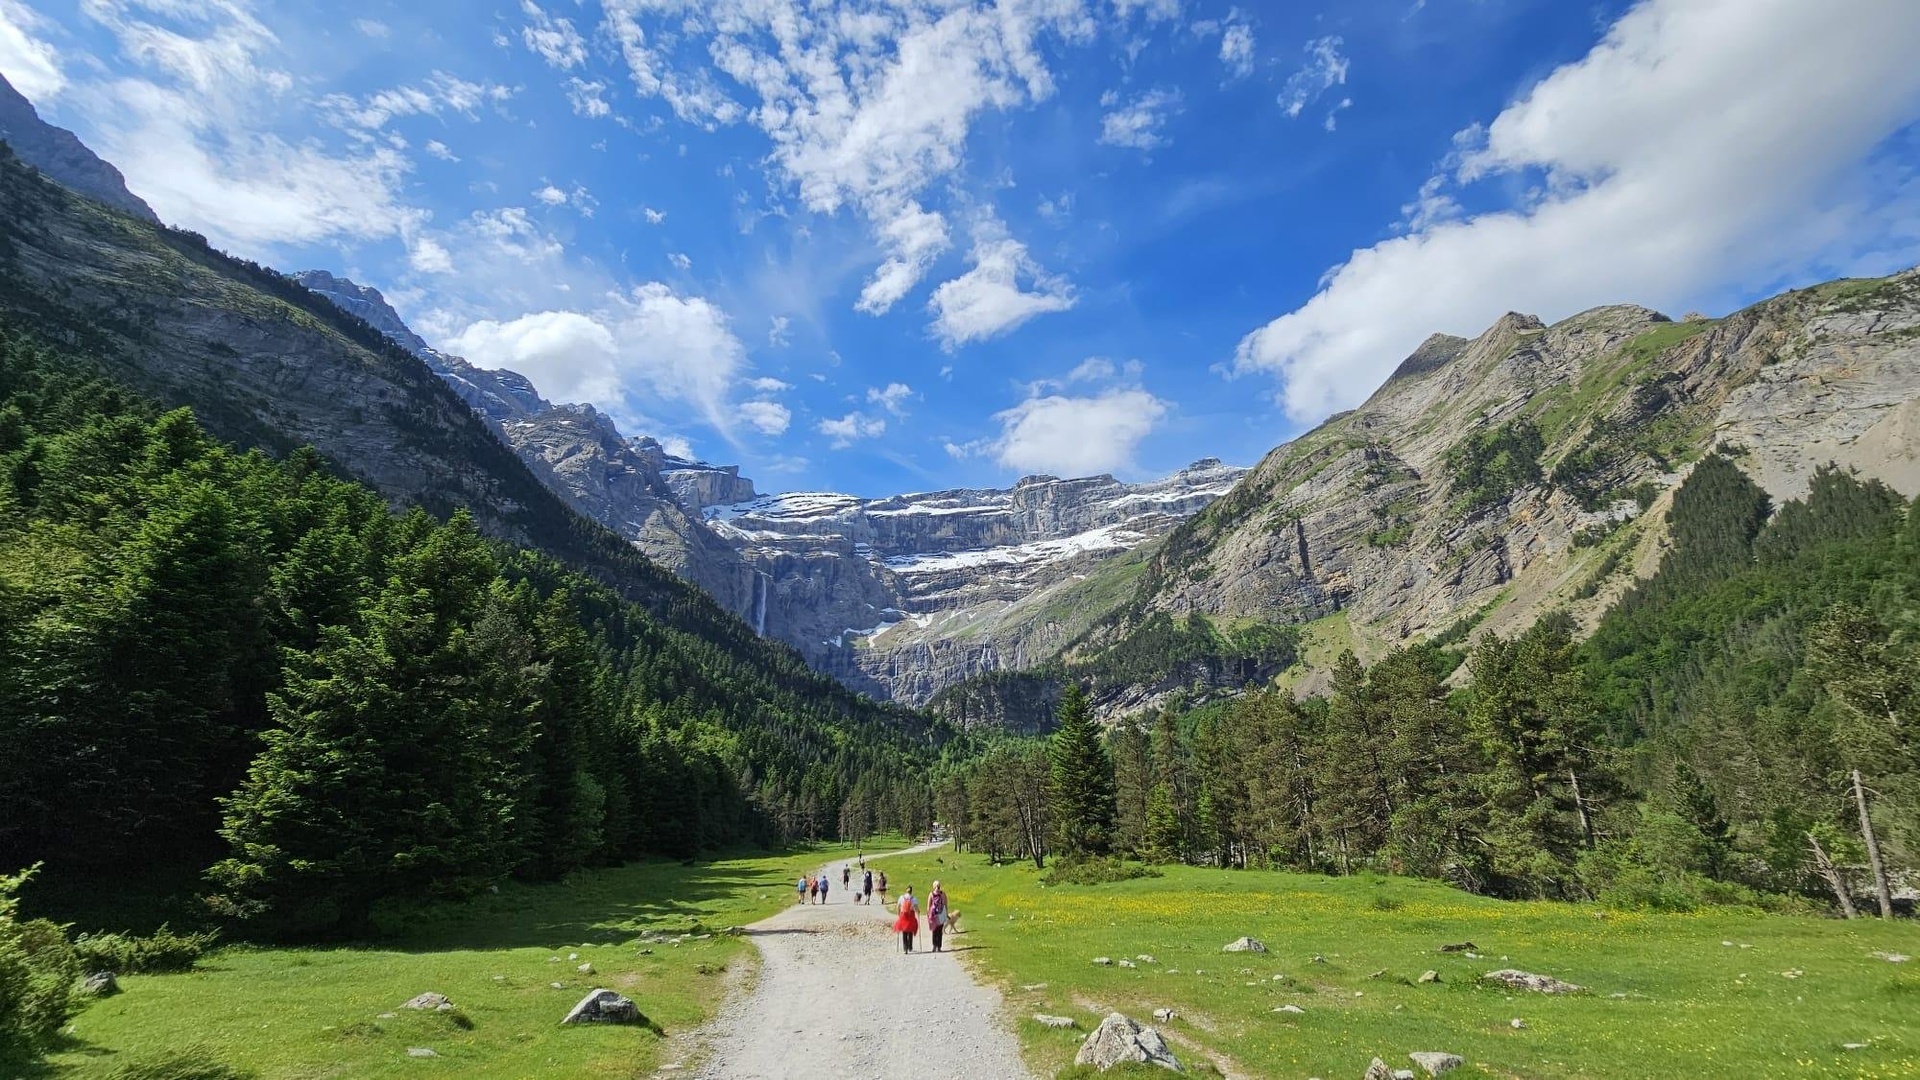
605	1007
1119	1039
1429	976
1164	1016
100	984
1378	1070
1526	980
1053	1021
1103	961
430	1000
1435	1062
1245	944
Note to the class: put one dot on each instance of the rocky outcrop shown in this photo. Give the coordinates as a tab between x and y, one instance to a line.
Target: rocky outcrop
1120	1039
62	157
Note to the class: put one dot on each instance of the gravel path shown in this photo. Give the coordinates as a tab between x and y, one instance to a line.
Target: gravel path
836	998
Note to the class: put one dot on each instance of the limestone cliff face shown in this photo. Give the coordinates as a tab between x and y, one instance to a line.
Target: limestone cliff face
62	157
1360	527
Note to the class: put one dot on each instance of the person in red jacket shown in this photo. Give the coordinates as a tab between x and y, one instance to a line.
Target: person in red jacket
909	921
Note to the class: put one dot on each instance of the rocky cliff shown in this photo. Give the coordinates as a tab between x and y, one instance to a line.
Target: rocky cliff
62	157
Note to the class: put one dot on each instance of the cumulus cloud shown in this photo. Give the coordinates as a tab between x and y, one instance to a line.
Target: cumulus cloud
654	217
1150	10
988	300
645	346
768	385
29	62
892	397
866	109
588	98
852	427
1071	436
680	260
766	417
552	39
1138	124
1326	68
1236	49
428	256
1657	167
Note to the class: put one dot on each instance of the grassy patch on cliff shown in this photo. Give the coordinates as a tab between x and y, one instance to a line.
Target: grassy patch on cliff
1714	994
318	1012
1321	643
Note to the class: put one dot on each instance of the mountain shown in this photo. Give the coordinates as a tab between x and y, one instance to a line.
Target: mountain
61	156
1529	469
898	597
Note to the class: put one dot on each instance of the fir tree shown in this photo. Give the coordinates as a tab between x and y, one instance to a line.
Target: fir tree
1080	780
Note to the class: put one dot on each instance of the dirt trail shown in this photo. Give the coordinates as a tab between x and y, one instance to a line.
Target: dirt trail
836	998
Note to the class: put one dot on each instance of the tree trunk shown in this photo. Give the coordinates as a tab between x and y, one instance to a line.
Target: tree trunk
1880	890
1825	866
1580	806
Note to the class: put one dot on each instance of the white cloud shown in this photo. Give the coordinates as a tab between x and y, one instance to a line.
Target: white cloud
767	385
680	261
29	62
1332	121
1659	167
676	446
442	93
512	233
429	256
892	397
1236	50
588	98
645	346
1072	436
766	417
1325	69
1138	124
867	108
1151	10
777	333
439	149
654	217
987	300
551	195
373	28
851	427
554	40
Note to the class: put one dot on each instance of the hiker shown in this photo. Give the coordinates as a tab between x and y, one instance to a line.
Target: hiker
800	887
825	882
883	888
866	886
813	888
937	913
846	877
909	921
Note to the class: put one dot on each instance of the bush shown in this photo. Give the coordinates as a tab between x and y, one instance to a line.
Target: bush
129	954
191	1063
37	969
1095	870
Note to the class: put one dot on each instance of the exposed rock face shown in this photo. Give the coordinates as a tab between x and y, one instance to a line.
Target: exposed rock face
1526	980
61	155
1119	1039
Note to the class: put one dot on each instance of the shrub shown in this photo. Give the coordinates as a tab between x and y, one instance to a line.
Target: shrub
190	1063
37	969
129	954
1095	870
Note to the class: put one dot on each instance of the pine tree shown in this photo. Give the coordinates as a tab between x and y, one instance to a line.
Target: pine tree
1080	780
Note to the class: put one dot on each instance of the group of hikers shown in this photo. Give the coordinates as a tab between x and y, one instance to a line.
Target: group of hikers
813	889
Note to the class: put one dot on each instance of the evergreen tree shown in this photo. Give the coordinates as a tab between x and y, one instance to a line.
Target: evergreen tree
1080	780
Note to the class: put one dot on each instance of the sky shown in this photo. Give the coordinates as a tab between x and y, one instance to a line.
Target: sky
896	245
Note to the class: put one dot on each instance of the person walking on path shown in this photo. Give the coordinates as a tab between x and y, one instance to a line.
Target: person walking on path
800	887
866	886
825	883
909	921
937	913
846	877
883	888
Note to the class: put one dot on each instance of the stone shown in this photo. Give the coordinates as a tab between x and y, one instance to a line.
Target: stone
1317	959
1034	986
1045	1020
1892	957
1518	1024
585	969
1526	980
387	1016
1436	1062
1464	946
1119	1039
1291	1009
1145	958
1103	961
1378	1070
100	984
558	986
1404	1074
1245	944
420	1052
1125	963
1164	1016
605	1007
1429	977
429	1000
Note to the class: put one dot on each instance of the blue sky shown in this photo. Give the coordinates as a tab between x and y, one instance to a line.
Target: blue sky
925	243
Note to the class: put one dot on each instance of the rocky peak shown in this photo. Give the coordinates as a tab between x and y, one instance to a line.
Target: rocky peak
61	156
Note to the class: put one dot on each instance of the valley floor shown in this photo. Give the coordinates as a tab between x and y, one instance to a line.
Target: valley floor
1710	994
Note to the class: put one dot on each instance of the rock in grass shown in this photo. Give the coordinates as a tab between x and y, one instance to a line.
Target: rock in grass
1245	944
1378	1071
420	1052
604	1007
1293	1009
1125	963
585	969
1892	957
1435	1062
1404	1074
1164	1016
1429	976
430	1000
1518	1024
100	984
1103	961
1464	946
1119	1039
1526	980
1045	1020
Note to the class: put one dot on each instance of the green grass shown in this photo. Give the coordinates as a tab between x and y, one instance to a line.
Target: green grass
1665	996
1321	643
316	1012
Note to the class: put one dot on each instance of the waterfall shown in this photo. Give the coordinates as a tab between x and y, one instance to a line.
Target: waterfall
761	583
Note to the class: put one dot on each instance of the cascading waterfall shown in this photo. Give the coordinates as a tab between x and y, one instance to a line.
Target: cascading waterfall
761	583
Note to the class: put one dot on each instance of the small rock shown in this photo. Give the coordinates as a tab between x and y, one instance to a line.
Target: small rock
1278	978
1119	1039
1378	1071
1794	974
499	978
573	956
420	1052
1045	1020
1404	1074
1728	944
1126	963
1317	959
429	1000
1464	946
1145	958
1526	980
1165	1016
100	984
1381	974
558	986
553	959
1518	1024
1854	1046
1892	957
1245	944
388	1016
1293	1009
1034	986
585	969
1103	961
1435	1062
1429	977
604	1007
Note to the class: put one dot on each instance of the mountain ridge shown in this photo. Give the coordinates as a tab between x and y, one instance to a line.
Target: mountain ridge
61	155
